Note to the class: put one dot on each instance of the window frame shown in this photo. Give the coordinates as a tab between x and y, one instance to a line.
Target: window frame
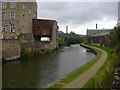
30	11
12	15
12	4
3	15
3	28
4	5
12	27
23	6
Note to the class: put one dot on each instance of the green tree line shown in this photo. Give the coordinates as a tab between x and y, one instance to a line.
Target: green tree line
115	40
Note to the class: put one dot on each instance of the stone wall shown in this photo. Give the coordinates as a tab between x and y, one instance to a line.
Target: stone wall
26	37
42	47
10	49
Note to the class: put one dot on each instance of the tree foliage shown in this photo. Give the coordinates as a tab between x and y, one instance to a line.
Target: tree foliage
115	37
115	40
72	33
73	40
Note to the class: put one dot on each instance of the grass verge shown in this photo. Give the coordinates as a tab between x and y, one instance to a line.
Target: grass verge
104	77
77	73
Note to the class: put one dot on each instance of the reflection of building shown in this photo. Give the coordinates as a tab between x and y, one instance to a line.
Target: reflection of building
17	18
98	36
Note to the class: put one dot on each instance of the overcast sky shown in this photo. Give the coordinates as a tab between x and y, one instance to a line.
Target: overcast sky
79	16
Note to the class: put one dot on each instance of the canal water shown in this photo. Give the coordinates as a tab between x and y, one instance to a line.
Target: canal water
39	71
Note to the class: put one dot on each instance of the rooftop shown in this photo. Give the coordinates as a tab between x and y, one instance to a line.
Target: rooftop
91	32
99	29
102	33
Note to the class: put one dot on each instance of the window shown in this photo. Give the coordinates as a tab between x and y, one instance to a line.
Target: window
3	28
12	28
23	6
30	11
3	5
3	16
12	4
12	15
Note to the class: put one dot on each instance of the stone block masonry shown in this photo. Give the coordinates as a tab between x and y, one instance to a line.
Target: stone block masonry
10	49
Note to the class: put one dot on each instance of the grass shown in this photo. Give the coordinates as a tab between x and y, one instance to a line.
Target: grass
56	86
77	73
104	77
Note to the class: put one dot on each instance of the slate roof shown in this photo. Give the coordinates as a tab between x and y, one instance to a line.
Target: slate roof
91	32
103	33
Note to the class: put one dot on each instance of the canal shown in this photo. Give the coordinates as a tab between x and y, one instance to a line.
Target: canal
40	71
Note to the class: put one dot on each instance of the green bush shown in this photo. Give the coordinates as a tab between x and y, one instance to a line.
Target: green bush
24	53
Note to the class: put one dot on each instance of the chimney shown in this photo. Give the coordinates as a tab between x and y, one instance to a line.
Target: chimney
96	26
66	29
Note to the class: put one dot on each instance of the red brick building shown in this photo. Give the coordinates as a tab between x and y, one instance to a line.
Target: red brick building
99	36
44	28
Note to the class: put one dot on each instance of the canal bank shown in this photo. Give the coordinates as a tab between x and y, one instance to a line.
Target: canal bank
104	76
82	79
76	73
39	71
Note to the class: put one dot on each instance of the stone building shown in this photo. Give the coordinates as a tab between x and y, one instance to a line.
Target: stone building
17	18
16	26
21	28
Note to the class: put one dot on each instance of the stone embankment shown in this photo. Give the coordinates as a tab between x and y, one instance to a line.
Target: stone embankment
10	49
90	49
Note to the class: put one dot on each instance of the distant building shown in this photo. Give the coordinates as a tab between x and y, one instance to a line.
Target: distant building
98	36
91	32
17	18
61	32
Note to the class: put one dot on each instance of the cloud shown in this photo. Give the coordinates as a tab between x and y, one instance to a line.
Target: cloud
77	14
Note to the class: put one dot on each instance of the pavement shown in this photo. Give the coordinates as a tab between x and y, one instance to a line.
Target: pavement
82	79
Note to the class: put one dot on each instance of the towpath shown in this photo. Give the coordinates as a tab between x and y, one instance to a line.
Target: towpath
82	79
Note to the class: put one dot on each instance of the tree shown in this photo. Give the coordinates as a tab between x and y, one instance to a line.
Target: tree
115	36
72	33
115	40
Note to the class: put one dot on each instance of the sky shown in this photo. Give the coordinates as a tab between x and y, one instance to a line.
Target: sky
80	16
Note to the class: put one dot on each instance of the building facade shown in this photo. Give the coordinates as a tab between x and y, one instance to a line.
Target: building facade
21	28
17	18
16	27
98	36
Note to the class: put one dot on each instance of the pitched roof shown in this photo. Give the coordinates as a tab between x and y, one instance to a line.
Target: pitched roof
91	32
103	33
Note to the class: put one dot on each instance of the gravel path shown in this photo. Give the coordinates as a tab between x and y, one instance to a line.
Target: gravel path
82	79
